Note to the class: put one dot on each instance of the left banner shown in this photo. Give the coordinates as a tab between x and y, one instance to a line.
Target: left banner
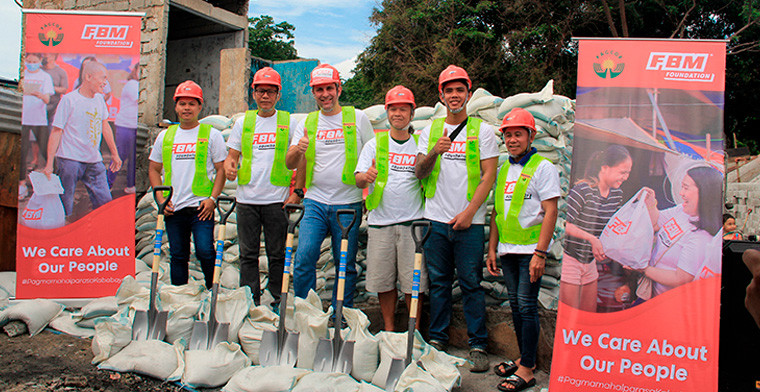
77	174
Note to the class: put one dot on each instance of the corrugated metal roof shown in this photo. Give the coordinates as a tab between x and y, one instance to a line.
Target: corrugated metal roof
10	110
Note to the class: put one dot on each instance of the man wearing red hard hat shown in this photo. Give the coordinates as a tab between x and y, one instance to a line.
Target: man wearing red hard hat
261	138
522	225
386	165
456	161
191	157
325	148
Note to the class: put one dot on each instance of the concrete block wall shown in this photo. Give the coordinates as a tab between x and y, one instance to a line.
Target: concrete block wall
745	197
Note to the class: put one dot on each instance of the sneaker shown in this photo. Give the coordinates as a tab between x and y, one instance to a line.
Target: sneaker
130	190
438	345
479	360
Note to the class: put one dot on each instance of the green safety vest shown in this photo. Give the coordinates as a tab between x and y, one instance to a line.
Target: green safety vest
280	175
382	164
202	186
510	230
349	138
472	157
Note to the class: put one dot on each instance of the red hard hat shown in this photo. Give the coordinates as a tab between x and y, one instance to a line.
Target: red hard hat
188	89
518	117
452	72
324	74
399	94
267	75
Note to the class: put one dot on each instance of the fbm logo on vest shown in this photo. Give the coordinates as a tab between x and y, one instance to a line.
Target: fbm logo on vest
107	36
681	66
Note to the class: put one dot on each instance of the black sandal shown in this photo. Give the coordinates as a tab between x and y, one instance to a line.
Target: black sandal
518	383
510	367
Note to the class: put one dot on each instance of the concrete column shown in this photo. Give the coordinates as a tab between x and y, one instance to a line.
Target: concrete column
234	76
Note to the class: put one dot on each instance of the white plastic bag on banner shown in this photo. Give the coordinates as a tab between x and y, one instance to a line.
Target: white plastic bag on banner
45	209
628	236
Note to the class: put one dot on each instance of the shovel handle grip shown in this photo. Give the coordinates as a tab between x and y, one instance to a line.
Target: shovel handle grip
420	241
289	208
224	214
167	197
345	229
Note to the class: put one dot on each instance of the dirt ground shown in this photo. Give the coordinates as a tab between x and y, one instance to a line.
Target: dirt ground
57	362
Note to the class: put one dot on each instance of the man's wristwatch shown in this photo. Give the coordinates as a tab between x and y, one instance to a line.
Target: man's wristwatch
298	192
213	199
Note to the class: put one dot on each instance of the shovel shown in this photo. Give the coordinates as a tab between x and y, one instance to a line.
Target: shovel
207	334
338	355
151	325
281	347
398	365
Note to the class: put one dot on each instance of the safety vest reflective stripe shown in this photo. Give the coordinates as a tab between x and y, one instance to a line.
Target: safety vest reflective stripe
382	166
201	186
280	175
349	140
472	156
510	229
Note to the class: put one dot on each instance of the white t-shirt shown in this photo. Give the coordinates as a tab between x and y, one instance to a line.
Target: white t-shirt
127	116
327	184
402	196
34	112
183	163
451	190
81	119
543	186
260	189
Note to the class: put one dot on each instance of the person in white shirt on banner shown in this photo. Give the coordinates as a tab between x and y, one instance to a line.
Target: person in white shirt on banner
261	138
126	128
81	120
191	157
457	158
38	90
522	225
327	144
386	165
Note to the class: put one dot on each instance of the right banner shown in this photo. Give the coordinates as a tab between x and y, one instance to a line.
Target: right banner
640	290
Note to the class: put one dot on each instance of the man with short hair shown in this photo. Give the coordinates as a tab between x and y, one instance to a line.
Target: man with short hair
261	138
81	120
191	156
457	157
326	145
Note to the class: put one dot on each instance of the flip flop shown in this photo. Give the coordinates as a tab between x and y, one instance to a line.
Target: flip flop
517	382
510	367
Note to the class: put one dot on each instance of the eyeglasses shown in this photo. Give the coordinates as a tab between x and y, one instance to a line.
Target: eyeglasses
263	92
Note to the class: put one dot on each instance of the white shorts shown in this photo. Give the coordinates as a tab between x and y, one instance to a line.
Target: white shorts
390	257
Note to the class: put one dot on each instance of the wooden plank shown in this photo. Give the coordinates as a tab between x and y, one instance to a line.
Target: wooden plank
8	219
10	155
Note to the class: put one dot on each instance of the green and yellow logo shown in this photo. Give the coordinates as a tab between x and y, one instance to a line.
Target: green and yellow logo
51	34
609	64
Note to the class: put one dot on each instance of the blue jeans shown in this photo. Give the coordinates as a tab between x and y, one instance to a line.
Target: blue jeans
319	220
92	175
125	144
447	250
523	299
179	226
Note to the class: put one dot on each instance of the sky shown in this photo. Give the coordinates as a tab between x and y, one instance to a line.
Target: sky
333	31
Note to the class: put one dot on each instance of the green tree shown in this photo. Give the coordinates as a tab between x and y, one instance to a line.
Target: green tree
269	40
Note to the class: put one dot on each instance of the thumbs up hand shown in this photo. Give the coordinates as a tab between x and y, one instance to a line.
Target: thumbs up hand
371	175
303	144
443	144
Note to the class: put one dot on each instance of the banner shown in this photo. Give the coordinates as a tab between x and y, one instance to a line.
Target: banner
77	172
640	292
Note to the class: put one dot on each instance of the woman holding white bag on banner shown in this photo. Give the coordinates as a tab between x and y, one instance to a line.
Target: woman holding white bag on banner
684	239
590	205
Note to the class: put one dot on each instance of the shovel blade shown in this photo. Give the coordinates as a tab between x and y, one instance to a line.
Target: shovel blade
140	325
220	334
143	328
394	374
323	356
199	336
345	361
268	349
289	354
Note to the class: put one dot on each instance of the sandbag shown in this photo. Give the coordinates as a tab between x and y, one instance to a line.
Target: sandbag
99	307
111	335
66	323
311	322
217	121
442	366
212	368
265	379
260	319
232	307
366	351
628	236
230	278
326	382
154	358
36	314
8	283
393	345
415	379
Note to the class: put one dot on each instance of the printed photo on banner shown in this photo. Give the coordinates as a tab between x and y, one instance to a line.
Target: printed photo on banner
79	124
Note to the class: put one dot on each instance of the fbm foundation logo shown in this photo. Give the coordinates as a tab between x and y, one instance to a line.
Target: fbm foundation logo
107	36
685	67
51	34
609	64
